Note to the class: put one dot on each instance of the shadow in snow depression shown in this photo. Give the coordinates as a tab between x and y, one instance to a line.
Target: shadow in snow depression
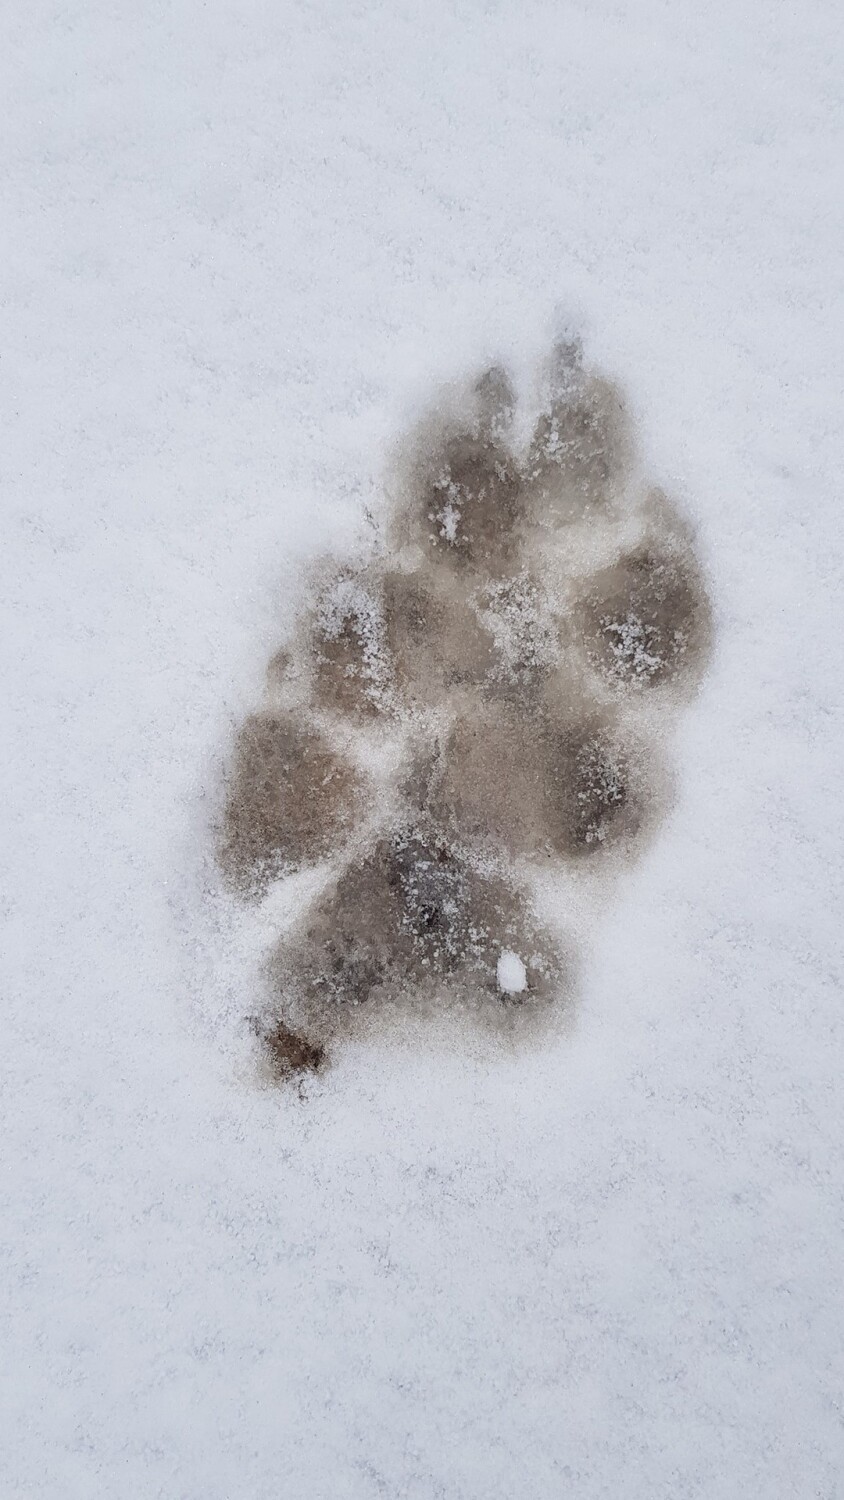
479	701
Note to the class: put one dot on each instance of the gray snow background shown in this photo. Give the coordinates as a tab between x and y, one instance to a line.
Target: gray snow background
242	243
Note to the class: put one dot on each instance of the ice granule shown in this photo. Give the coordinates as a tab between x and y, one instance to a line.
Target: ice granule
511	973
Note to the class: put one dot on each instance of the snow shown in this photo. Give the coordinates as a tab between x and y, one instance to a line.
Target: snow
511	973
243	244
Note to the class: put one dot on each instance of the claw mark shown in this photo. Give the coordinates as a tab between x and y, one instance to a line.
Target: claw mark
582	445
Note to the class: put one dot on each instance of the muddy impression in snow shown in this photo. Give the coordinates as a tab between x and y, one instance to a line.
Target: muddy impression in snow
479	705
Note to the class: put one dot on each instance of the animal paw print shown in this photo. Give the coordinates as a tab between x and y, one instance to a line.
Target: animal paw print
477	706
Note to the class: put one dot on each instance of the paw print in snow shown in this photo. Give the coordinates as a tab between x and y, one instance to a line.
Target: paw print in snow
476	707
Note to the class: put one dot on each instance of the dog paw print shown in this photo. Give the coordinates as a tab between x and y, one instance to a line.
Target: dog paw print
475	708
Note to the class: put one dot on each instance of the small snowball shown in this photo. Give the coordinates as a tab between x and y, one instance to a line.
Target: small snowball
511	973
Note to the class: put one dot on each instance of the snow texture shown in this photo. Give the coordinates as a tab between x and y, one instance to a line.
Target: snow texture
242	246
511	972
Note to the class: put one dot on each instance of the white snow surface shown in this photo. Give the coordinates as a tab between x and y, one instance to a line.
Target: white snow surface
511	973
243	243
